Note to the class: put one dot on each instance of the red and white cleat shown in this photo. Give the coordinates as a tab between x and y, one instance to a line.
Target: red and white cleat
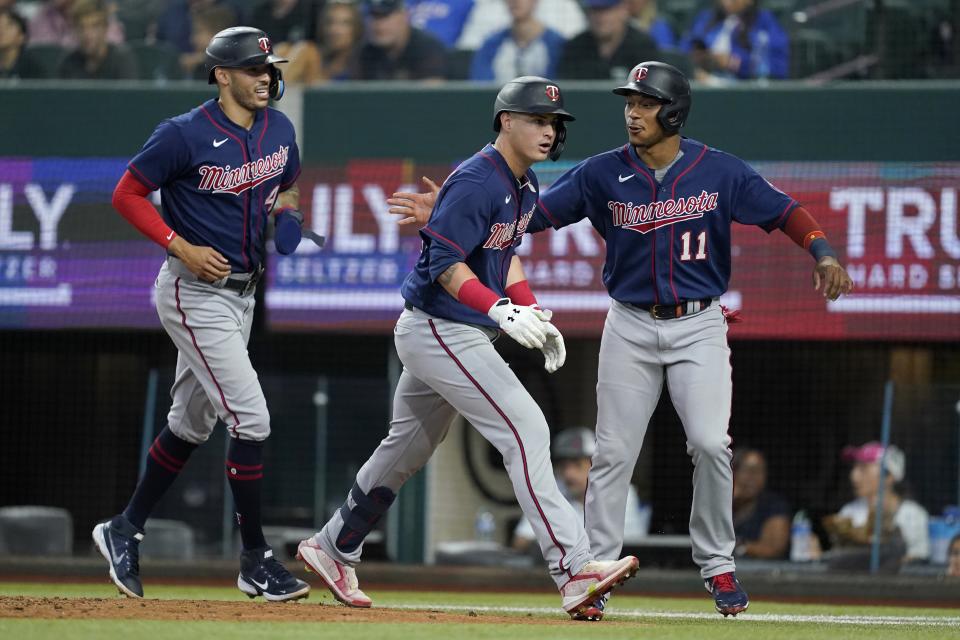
340	579
596	579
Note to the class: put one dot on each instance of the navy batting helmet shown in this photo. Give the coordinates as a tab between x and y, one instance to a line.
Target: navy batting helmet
533	94
239	47
665	83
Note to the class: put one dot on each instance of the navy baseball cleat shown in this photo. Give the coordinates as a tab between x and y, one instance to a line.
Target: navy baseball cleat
119	542
262	575
727	593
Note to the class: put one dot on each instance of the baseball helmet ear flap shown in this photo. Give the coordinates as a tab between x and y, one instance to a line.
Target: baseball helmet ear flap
559	140
277	85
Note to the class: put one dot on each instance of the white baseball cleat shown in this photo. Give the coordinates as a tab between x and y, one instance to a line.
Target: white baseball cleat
339	578
594	580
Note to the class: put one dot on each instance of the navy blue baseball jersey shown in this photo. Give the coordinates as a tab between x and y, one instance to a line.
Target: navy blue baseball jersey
670	241
218	181
479	218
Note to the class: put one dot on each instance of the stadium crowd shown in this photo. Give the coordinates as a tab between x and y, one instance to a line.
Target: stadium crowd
715	41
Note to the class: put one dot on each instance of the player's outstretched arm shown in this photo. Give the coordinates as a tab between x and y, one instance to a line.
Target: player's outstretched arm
415	207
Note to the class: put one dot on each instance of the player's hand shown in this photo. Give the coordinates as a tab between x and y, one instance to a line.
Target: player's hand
520	323
544	314
415	206
553	349
833	278
204	262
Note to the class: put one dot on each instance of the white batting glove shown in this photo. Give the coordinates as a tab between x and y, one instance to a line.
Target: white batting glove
553	349
544	314
520	323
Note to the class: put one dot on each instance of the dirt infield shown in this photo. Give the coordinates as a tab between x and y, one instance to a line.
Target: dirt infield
216	610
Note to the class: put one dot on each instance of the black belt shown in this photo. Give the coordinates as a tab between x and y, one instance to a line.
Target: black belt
673	311
243	286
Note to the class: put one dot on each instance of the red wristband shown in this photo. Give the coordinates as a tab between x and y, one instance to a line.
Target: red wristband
476	295
521	294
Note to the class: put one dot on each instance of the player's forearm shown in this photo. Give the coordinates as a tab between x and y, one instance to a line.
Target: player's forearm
805	231
518	289
289	199
462	283
130	200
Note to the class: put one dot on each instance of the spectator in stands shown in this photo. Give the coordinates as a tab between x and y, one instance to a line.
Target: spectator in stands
395	50
901	516
95	58
175	25
643	17
15	60
285	21
953	557
572	451
527	48
737	40
761	518
444	19
206	22
492	16
609	48
52	25
334	55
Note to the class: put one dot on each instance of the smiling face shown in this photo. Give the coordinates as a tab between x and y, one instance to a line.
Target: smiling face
640	113
530	135
248	87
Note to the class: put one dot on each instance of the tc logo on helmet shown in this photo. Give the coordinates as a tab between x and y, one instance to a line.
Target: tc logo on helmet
553	92
640	74
264	44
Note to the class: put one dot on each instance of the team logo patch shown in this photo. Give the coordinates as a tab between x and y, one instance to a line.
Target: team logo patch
264	44
553	92
640	74
247	176
644	218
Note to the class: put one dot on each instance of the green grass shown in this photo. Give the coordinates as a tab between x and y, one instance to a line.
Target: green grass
638	617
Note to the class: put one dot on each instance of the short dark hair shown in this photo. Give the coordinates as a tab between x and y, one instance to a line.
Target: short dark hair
17	18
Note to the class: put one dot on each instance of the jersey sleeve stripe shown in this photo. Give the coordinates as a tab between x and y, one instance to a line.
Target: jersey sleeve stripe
445	240
783	216
546	212
287	185
142	178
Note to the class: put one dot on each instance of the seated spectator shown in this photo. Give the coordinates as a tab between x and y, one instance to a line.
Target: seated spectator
527	48
737	40
444	19
609	48
572	451
334	56
761	518
207	22
285	21
492	16
15	60
175	25
394	50
953	557
52	25
95	58
904	522
643	17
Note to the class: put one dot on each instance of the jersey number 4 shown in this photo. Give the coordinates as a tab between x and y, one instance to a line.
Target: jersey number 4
701	246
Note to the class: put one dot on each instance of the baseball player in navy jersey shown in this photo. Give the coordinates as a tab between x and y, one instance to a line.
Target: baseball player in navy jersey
664	205
223	169
467	286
